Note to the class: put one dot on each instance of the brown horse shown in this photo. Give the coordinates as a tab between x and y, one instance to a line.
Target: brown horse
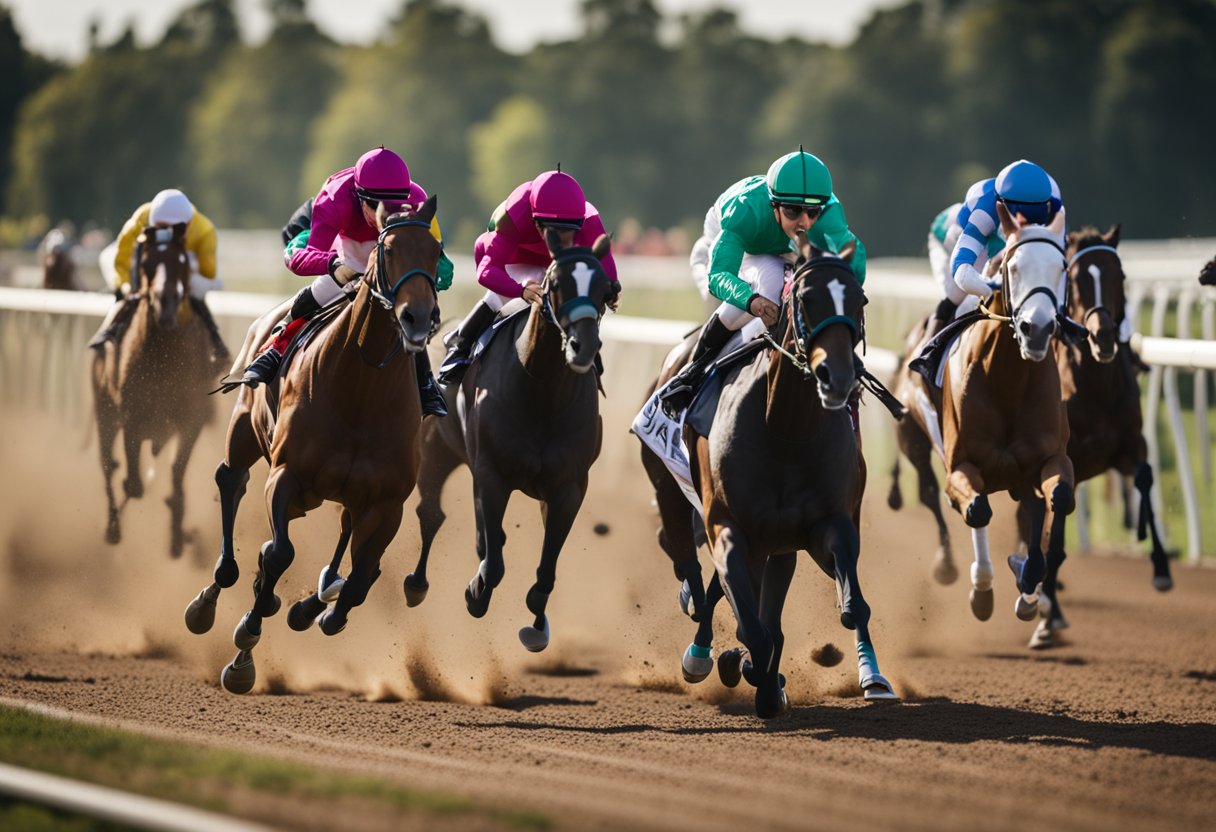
346	429
1004	424
1098	381
780	471
59	270
152	384
525	417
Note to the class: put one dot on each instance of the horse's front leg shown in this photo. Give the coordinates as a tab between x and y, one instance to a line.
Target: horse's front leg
835	539
177	498
107	433
1057	481
965	490
276	555
558	511
490	496
771	699
132	443
1030	567
374	530
302	614
1147	526
731	552
438	463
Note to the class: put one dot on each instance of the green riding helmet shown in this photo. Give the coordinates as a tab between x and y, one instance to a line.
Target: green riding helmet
799	178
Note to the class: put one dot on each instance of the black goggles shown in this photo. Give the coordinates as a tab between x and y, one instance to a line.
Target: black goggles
560	225
793	212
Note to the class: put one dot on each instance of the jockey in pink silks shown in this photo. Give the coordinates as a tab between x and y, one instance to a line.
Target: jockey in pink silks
512	256
341	235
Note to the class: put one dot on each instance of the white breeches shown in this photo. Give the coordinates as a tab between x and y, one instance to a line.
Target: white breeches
521	274
766	274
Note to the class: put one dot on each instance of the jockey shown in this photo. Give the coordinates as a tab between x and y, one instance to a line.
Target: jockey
120	265
944	234
512	255
748	249
1025	189
332	236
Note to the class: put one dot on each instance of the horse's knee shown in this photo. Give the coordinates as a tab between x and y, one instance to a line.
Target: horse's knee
1063	499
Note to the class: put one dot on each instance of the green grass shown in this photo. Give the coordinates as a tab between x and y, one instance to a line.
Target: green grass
28	817
206	777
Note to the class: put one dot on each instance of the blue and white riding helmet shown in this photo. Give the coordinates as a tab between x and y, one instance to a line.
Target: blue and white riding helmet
1027	189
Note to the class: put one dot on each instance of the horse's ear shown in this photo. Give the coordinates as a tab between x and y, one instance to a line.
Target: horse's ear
806	250
1057	224
601	247
1112	236
847	251
1007	223
553	240
427	212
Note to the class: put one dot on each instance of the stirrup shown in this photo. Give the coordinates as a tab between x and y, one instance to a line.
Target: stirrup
676	398
453	368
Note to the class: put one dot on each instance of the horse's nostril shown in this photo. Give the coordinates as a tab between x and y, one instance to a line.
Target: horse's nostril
1024	327
407	317
823	374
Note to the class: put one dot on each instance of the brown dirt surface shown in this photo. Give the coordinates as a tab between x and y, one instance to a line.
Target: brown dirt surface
1113	729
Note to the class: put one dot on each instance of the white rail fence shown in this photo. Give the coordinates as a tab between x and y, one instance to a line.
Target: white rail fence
43	333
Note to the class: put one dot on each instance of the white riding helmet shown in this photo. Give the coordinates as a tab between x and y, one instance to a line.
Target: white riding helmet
170	207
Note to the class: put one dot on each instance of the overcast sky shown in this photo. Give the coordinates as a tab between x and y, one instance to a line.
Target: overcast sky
58	27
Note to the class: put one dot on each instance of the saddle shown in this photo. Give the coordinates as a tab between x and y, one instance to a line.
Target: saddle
700	415
934	351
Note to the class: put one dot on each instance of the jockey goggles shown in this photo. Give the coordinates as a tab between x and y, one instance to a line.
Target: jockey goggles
561	224
1037	213
793	212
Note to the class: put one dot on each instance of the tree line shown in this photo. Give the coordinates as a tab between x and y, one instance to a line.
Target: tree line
655	117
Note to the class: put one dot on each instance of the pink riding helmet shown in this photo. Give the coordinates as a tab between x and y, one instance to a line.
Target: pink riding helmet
381	174
558	200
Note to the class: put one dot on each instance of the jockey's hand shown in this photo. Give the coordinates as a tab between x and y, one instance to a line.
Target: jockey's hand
613	301
532	292
764	309
344	274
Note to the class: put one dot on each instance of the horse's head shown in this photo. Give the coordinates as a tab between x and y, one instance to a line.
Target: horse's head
1097	298
164	271
824	305
576	291
1033	276
407	258
1207	277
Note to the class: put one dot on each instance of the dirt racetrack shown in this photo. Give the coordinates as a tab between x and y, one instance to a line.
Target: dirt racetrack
1115	729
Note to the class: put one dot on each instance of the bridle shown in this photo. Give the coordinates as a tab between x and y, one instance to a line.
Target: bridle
1077	256
386	294
573	309
800	357
1006	288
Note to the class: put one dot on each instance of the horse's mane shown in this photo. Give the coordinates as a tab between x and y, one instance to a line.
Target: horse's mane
1086	237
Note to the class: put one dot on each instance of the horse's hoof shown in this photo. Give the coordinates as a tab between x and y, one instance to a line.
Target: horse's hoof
133	488
176	545
239	674
696	664
771	702
878	689
415	590
982	601
978	513
686	603
200	613
730	666
846	620
246	635
1026	607
114	534
226	572
944	570
1163	583
304	612
1042	637
533	639
477	606
329	623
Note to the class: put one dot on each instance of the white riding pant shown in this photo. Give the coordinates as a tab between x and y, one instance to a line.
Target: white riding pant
353	254
765	273
521	273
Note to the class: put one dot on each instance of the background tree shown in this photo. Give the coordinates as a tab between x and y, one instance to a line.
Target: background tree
512	147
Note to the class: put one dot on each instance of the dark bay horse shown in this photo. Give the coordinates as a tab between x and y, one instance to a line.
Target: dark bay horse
525	417
1003	421
59	270
1098	382
782	471
346	429
152	385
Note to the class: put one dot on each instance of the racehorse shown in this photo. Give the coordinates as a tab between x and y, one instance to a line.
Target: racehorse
781	470
1207	276
1004	424
525	417
1098	382
59	270
346	429
152	384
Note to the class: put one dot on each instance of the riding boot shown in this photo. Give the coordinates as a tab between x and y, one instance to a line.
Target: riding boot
428	391
680	391
931	353
266	366
116	322
219	350
460	348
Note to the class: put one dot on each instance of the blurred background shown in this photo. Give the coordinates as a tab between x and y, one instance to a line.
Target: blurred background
655	106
